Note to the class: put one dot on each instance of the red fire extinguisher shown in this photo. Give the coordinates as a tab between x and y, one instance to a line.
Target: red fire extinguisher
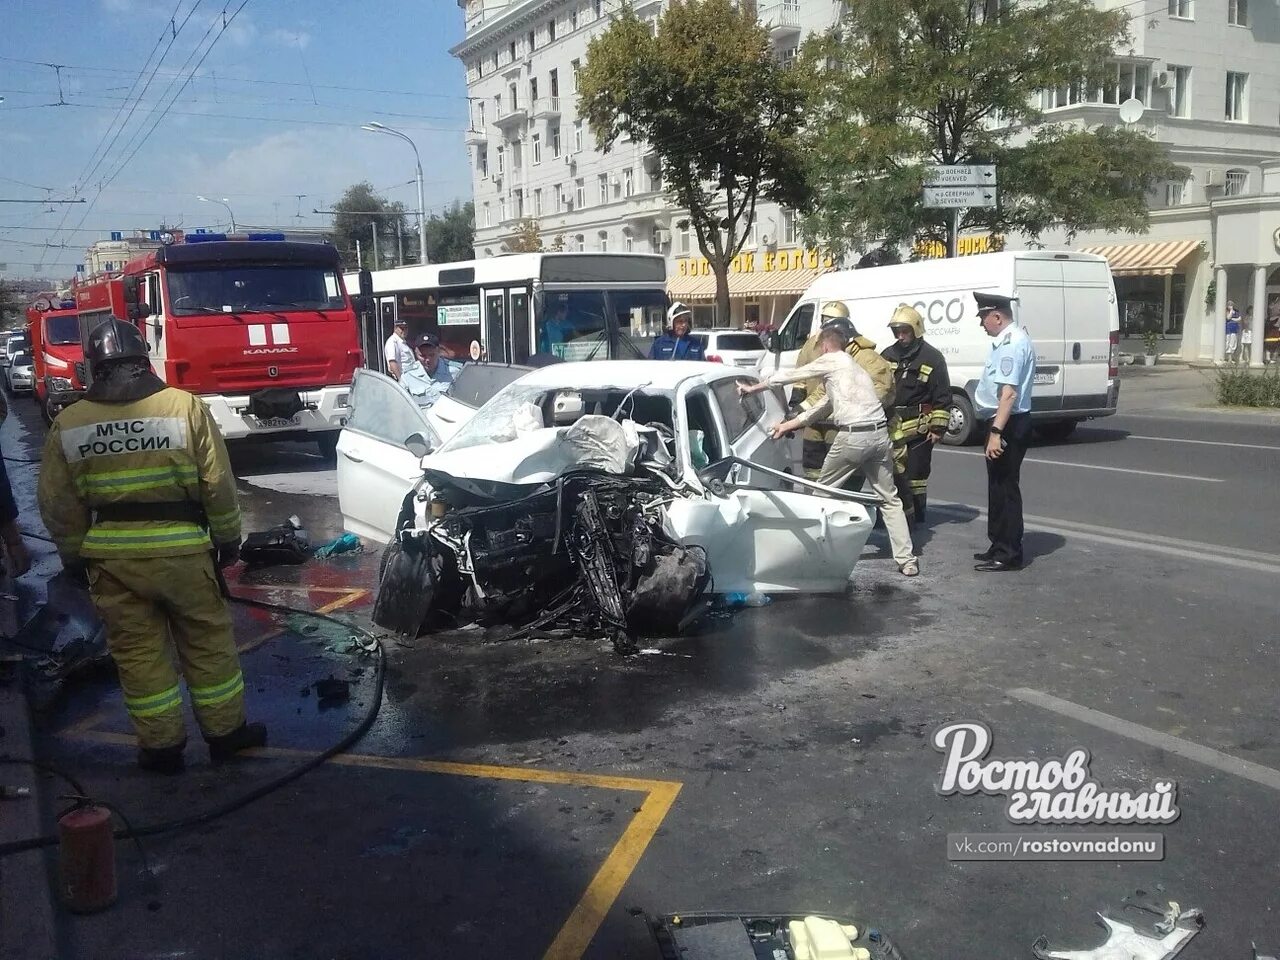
87	858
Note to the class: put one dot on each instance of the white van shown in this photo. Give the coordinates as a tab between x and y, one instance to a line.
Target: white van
1066	301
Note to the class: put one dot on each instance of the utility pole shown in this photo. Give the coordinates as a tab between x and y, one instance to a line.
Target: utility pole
399	245
359	256
374	230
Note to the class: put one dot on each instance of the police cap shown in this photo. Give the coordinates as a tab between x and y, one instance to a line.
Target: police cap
427	340
114	339
994	301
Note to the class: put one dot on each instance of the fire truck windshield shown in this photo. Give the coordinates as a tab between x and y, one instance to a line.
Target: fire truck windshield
253	289
61	330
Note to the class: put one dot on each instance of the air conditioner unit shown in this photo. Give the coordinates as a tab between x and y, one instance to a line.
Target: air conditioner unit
661	237
1163	81
570	160
765	239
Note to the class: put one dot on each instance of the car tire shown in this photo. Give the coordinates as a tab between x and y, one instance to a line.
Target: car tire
1056	431
328	444
962	427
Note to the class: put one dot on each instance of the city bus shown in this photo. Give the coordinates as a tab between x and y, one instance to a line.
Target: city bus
523	306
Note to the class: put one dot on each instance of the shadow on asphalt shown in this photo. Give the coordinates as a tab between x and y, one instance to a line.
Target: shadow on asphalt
1083	437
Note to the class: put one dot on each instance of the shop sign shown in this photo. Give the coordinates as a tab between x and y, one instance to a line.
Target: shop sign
965	247
770	261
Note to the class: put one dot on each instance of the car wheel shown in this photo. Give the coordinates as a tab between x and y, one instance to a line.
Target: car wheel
962	426
1057	430
328	444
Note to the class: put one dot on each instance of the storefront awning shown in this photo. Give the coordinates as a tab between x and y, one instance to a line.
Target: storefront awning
745	286
1152	259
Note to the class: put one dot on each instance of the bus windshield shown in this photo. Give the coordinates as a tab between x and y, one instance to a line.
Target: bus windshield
253	289
62	330
578	324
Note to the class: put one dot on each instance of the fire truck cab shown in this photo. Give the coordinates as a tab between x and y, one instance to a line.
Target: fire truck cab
56	354
259	328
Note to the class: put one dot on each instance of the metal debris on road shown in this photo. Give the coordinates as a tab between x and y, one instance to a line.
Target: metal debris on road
1158	940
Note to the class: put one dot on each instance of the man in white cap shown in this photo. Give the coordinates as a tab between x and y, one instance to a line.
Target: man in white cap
678	345
396	351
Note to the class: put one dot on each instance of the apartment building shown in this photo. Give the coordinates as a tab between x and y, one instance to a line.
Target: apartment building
1205	72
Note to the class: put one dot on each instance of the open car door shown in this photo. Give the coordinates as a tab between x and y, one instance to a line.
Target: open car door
375	466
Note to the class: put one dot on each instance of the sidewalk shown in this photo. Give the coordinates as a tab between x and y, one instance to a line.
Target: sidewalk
1173	388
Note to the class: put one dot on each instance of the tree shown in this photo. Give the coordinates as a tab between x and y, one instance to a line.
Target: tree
898	84
12	302
355	217
719	111
451	236
528	238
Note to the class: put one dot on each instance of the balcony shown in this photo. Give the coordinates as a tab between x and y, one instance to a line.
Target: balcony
782	18
512	118
475	138
546	108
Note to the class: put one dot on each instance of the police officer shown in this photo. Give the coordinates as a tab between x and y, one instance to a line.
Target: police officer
678	345
817	438
138	494
922	403
1003	400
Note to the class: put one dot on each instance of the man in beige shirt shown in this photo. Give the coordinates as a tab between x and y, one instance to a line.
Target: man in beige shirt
862	442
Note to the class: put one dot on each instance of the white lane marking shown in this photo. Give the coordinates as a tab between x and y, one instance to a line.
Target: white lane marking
1152	738
1207	443
1094	466
1135	540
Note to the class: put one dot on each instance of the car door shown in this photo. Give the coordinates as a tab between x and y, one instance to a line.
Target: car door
746	422
375	468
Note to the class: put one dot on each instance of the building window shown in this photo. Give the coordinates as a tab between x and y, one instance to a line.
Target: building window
685	246
603	182
788	227
501	162
753	233
628	182
1180	95
533	91
573	19
487	220
629	243
517	156
555	141
551	30
1173	193
604	242
599	6
555	83
511	50
482	161
1128	81
1183	9
580	193
655	179
1237	96
1238	12
577	69
533	40
577	136
537	202
788	56
513	97
479	117
537	149
495	59
502	210
1237	183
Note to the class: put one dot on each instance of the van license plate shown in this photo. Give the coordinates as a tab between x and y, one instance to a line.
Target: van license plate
278	421
1048	376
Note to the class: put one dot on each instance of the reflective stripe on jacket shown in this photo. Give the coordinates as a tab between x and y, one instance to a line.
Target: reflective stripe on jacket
164	448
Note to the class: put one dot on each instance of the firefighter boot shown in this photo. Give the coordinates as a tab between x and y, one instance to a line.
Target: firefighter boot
166	760
244	737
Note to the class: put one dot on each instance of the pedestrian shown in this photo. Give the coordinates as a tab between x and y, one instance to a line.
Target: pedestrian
429	376
678	344
922	403
1246	336
396	350
818	436
1003	400
1233	332
139	496
852	404
1271	340
16	559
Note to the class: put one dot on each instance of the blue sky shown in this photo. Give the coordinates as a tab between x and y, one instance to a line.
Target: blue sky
274	111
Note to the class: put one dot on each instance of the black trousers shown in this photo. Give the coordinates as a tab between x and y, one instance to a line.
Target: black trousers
1004	492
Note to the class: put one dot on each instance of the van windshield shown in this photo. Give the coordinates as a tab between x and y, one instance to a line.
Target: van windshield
253	289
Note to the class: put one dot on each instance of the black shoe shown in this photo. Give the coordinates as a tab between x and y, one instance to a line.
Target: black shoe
245	737
985	556
997	566
166	760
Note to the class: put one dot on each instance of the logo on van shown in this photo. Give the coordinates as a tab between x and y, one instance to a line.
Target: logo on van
936	311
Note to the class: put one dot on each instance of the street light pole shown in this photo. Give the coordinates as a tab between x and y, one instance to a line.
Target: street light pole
373	126
226	204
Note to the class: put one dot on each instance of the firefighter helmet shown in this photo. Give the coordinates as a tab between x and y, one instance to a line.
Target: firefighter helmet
113	340
834	309
842	325
906	316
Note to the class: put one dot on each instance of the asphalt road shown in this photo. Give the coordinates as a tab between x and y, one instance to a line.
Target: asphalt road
521	799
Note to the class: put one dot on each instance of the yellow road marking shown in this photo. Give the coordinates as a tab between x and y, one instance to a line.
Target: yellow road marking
350	596
590	911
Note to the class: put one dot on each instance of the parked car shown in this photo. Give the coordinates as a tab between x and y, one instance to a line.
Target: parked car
735	348
653	463
21	373
16	342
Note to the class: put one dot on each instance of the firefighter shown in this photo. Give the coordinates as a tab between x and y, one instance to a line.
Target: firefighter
138	494
922	403
817	438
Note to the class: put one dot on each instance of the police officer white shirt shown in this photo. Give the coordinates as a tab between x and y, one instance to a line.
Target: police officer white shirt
397	351
1013	361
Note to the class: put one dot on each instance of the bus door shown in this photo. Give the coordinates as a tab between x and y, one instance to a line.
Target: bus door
506	325
384	323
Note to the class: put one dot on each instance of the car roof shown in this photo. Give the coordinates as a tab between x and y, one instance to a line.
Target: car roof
601	374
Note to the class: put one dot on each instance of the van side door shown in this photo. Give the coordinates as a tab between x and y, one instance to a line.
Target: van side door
1041	311
1090	308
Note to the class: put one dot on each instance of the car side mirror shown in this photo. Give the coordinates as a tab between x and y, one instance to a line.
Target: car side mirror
418	445
774	341
132	291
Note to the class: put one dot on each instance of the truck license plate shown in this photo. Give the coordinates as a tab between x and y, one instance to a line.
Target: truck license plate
278	421
1048	376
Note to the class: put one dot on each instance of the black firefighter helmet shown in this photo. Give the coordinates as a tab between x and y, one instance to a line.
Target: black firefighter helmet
112	340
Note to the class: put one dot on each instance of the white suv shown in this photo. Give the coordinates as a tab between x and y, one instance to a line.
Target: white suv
737	348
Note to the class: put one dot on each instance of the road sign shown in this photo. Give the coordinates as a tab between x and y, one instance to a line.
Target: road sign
959	196
960	175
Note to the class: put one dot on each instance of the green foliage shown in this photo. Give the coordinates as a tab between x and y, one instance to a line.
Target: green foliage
528	239
1151	340
717	108
898	84
1240	389
451	235
12	303
355	216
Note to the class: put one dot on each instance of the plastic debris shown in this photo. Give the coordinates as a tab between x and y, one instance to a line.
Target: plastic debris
753	599
347	543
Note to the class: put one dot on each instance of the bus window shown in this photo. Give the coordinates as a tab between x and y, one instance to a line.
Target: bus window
641	316
495	345
519	327
572	325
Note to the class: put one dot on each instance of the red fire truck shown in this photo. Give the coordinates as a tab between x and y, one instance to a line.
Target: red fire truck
260	328
56	355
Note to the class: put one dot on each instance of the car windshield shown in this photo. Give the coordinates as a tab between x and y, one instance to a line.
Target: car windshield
21	359
253	289
62	330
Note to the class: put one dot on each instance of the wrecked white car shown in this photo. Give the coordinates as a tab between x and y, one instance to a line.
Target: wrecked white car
604	497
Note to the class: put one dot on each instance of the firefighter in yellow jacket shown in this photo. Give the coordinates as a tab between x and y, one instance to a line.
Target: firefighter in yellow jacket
817	439
138	493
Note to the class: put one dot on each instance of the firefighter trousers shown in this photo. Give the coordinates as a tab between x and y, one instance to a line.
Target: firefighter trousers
144	602
913	475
